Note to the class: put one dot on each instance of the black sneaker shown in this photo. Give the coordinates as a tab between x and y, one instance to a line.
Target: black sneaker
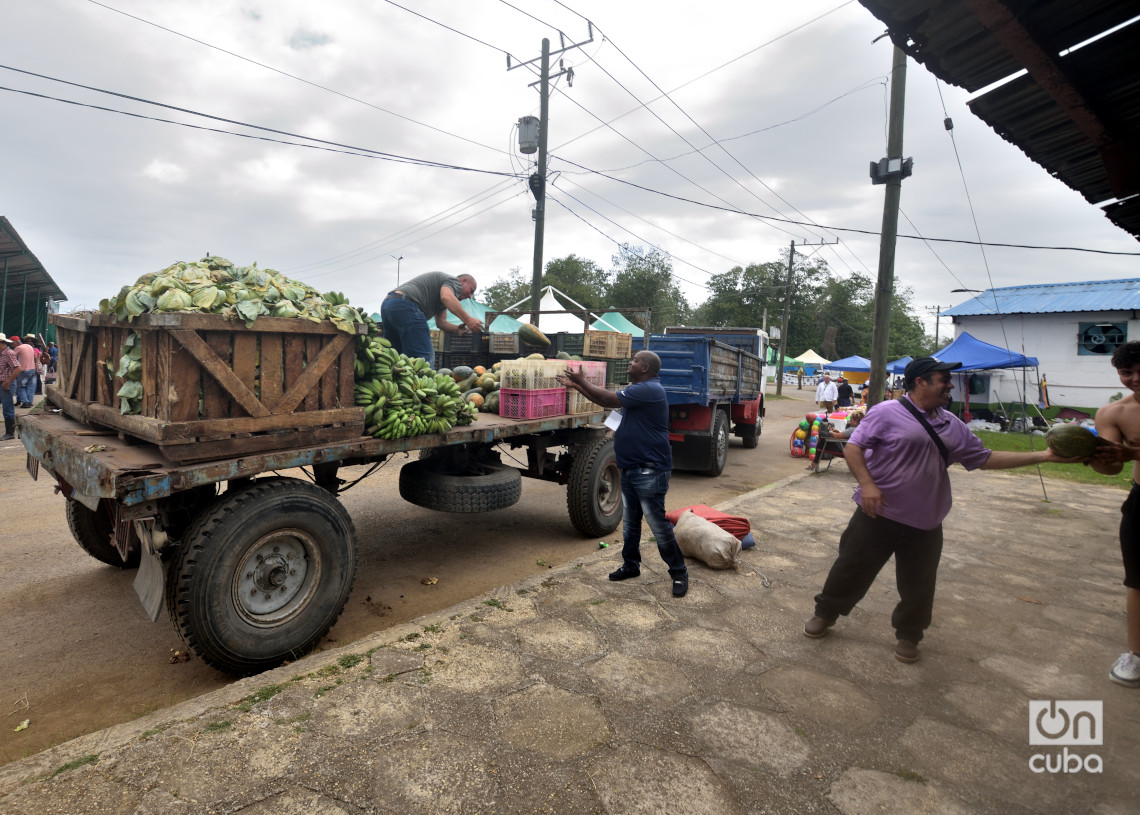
680	585
625	572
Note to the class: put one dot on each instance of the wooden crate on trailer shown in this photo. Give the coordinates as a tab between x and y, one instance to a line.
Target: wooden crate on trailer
607	345
212	388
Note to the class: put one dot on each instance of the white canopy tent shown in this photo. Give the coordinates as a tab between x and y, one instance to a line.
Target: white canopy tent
553	323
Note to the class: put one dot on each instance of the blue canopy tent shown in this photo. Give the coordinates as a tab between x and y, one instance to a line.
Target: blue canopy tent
855	363
899	365
976	355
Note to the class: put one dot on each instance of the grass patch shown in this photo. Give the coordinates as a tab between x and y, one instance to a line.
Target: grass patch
260	695
433	629
495	603
218	727
1024	442
150	734
75	763
328	670
350	661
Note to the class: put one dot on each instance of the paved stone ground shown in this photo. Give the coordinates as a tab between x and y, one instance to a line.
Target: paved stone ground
572	694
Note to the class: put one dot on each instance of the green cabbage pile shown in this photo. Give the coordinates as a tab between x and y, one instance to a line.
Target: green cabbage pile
214	285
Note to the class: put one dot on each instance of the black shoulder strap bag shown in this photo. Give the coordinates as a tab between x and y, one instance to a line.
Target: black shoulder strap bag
909	405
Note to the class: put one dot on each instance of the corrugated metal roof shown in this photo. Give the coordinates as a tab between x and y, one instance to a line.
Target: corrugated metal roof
26	276
1053	298
1076	115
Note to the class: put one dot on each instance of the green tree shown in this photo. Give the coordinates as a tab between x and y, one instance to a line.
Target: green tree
742	296
645	279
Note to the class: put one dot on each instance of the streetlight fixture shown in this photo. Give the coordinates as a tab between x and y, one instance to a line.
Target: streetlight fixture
397	259
974	291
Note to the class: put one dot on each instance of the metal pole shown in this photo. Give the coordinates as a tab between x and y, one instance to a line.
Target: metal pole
540	193
4	297
397	259
784	323
884	290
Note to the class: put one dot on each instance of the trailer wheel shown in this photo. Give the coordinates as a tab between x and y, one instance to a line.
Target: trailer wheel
718	450
484	488
92	531
750	434
593	494
262	575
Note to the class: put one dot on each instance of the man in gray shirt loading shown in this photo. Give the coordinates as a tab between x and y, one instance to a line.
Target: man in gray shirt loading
405	311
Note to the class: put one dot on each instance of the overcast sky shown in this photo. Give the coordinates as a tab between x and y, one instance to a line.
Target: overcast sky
795	95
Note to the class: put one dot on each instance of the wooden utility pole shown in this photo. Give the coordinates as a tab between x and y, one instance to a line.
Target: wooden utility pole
787	314
890	171
538	179
784	322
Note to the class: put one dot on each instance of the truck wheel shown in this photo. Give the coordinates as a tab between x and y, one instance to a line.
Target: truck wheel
262	575
593	494
486	487
92	531
718	450
750	434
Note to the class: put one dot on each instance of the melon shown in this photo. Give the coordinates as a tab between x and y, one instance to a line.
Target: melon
562	355
461	372
532	336
474	397
1071	440
535	356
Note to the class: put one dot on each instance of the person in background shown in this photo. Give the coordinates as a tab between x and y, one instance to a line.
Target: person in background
843	393
641	445
26	380
9	370
826	393
853	419
405	311
42	360
53	350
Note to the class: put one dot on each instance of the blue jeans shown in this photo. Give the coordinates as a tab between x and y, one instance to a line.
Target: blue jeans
26	386
405	326
643	496
8	401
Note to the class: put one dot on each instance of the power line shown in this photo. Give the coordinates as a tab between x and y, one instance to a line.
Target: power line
364	151
293	76
853	230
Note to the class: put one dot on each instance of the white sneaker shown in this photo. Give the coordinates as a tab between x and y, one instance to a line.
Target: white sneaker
1126	671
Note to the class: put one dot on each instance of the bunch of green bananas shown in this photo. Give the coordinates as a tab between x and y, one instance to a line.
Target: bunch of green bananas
403	396
336	298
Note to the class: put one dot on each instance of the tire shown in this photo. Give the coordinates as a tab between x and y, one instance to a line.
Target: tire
593	494
487	487
750	434
92	531
718	450
240	547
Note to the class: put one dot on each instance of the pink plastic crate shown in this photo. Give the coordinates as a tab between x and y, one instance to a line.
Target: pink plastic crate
516	404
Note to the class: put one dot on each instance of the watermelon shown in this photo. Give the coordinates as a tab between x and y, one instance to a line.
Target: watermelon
1071	440
532	336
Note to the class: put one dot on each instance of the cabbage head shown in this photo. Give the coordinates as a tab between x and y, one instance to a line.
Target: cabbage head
175	300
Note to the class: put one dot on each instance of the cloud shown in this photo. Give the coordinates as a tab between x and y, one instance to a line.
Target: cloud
164	172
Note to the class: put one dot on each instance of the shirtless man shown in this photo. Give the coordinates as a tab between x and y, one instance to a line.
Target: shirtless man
1119	422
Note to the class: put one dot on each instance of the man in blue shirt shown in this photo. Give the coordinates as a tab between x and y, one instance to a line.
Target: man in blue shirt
641	445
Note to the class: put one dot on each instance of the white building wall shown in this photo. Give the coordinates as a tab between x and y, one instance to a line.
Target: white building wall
1074	381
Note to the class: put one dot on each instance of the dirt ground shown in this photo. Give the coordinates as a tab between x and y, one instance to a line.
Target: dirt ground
79	654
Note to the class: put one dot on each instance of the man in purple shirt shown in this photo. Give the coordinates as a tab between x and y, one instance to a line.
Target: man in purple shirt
902	498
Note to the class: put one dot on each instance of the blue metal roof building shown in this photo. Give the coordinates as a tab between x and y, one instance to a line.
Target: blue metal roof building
1053	298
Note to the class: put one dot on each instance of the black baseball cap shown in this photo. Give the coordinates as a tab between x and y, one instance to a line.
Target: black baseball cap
925	365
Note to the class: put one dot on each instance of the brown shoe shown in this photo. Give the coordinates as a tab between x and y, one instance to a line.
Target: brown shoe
906	651
817	627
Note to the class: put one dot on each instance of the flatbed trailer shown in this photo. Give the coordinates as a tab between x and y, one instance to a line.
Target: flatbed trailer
255	568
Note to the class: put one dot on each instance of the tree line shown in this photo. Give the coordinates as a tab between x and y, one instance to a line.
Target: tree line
831	313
